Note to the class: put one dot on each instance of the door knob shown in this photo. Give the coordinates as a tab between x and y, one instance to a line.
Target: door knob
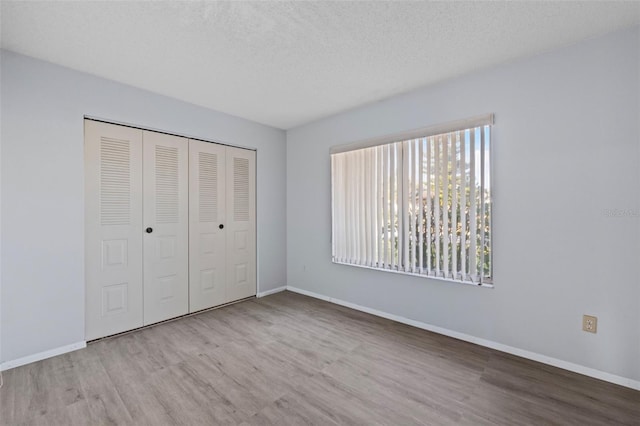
149	230
221	226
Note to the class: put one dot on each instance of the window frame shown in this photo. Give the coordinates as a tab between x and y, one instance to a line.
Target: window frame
403	206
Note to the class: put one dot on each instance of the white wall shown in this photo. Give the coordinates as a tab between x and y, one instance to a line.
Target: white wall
42	109
566	147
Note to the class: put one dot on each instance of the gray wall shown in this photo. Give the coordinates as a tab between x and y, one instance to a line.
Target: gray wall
42	111
566	147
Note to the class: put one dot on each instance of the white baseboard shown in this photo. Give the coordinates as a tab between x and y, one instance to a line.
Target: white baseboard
272	291
42	355
565	365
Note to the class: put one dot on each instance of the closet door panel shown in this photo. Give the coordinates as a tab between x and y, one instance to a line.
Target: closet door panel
207	242
165	212
113	229
241	223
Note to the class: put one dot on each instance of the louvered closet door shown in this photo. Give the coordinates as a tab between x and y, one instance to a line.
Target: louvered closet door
241	223
165	207
207	242
113	229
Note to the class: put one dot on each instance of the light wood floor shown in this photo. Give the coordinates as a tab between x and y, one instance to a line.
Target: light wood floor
288	359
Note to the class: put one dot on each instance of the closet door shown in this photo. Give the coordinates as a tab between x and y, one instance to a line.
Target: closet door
113	229
207	242
241	223
165	213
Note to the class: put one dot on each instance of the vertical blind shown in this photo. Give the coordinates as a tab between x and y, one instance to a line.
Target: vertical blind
419	206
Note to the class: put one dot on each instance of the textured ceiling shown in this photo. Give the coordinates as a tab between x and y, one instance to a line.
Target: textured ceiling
288	63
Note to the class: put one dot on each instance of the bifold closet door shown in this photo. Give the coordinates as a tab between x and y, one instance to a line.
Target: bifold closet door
241	223
222	222
207	242
165	219
170	227
113	233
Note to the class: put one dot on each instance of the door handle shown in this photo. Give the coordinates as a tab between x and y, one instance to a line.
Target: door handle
149	230
221	226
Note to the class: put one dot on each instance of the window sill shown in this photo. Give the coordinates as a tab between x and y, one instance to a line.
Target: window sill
414	274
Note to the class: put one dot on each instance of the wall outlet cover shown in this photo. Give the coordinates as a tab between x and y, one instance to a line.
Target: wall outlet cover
590	323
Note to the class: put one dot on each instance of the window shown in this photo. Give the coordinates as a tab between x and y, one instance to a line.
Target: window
418	203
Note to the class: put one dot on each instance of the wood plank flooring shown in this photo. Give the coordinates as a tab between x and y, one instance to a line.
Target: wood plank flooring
288	359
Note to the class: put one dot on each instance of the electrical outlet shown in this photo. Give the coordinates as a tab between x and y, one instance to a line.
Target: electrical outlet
590	323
